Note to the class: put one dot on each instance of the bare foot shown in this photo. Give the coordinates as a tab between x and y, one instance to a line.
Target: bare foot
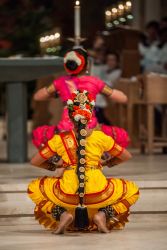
65	220
100	220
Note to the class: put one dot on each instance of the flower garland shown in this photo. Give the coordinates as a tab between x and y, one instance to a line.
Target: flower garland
81	105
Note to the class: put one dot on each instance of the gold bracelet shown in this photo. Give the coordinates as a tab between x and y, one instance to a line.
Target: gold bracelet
50	90
107	91
51	167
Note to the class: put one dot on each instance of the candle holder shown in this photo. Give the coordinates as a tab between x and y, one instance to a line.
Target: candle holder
77	41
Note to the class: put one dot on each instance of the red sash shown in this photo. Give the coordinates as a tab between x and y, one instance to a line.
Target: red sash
70	144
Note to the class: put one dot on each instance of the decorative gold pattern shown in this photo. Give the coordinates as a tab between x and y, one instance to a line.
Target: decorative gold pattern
107	91
82	161
82	169
116	150
46	152
70	145
83	132
82	176
82	184
83	142
82	152
88	198
51	89
82	98
50	223
84	121
81	195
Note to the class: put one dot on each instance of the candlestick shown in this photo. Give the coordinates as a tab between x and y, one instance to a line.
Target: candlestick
77	26
77	20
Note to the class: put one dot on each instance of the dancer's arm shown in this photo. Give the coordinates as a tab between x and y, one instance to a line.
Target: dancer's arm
39	161
45	93
119	155
125	156
115	154
114	94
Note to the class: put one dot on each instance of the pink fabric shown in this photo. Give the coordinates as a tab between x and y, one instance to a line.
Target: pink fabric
120	136
42	134
67	84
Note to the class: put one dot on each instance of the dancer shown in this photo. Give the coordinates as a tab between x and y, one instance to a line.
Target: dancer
83	199
75	63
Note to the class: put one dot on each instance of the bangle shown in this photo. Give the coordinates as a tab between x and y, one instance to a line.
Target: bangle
113	162
54	159
51	167
107	91
51	91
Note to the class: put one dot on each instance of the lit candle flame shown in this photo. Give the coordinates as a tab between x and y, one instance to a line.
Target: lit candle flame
129	3
120	6
114	10
108	13
77	3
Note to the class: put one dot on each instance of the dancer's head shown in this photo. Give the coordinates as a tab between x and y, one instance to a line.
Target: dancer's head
75	61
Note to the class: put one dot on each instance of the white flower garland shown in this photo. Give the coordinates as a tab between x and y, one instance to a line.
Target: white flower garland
73	57
69	102
78	117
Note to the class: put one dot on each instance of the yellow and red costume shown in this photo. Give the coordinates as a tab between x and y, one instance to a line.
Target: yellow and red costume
99	191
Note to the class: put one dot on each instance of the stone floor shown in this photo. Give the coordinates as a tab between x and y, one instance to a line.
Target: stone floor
144	232
147	229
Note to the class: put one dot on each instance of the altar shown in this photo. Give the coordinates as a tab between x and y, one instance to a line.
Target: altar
15	74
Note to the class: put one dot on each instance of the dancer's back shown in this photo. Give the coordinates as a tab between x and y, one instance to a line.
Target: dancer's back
67	84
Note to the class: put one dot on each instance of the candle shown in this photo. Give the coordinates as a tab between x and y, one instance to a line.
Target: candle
77	21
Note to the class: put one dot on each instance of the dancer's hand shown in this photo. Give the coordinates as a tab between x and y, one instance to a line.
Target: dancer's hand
59	172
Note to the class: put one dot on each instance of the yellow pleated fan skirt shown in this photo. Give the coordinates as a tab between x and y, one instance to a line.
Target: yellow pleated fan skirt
99	192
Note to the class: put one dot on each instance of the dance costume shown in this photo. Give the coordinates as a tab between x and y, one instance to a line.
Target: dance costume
64	86
53	196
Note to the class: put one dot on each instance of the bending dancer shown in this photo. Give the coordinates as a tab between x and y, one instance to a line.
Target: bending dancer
75	63
83	199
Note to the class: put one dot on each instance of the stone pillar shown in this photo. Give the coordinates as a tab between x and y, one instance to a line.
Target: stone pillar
152	10
136	11
145	11
17	118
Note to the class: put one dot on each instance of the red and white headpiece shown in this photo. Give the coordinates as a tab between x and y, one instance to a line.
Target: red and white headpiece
78	59
81	105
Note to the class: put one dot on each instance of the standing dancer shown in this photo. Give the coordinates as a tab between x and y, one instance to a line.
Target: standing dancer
83	199
75	63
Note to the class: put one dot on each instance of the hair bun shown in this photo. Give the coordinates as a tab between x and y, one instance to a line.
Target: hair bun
75	61
71	65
